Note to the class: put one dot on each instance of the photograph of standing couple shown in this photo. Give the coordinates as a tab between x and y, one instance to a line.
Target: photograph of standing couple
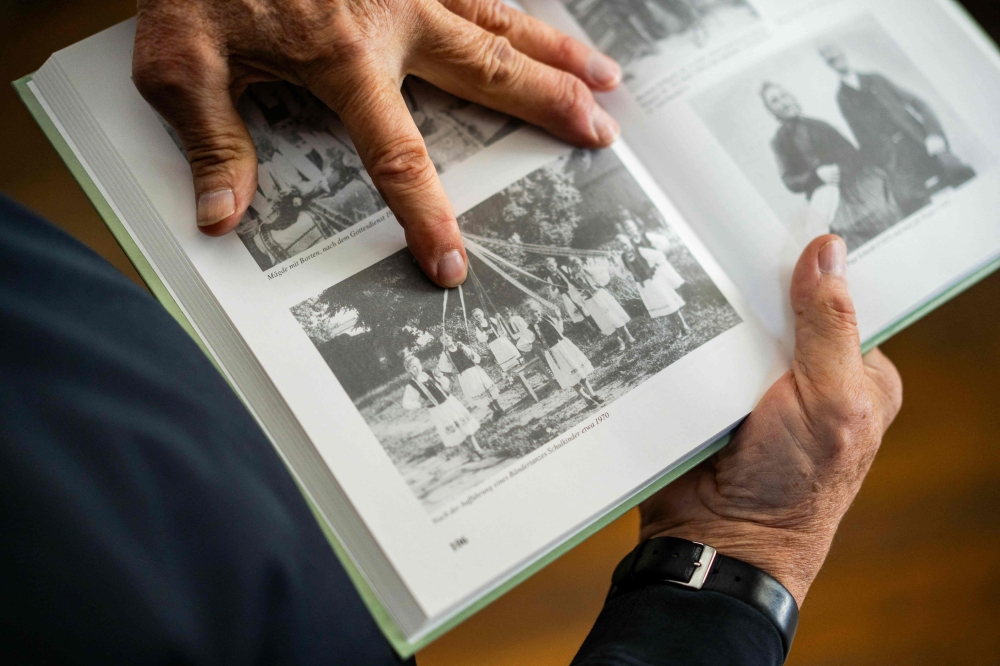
578	292
858	139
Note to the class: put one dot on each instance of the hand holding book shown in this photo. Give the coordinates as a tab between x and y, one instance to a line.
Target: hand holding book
653	275
194	59
775	496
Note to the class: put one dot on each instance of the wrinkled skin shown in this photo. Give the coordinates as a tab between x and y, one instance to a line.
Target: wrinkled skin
194	58
775	496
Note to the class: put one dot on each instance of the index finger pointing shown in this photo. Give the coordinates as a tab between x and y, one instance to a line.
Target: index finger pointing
393	152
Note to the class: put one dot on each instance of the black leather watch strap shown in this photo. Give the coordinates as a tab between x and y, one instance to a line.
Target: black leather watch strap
699	567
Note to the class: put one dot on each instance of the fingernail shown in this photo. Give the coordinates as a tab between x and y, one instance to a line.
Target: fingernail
605	127
603	71
833	258
215	206
451	269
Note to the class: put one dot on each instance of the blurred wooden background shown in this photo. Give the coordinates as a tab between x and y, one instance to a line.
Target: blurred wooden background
914	576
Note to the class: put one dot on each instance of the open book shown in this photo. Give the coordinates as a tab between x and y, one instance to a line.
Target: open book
625	309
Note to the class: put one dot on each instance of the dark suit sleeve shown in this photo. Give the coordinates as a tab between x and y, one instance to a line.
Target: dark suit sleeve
665	625
924	114
145	517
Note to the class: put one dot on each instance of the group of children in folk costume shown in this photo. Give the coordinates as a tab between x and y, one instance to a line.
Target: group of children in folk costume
569	366
477	385
453	422
603	308
492	332
644	256
584	298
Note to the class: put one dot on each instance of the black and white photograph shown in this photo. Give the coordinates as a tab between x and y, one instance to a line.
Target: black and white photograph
577	293
311	182
641	34
842	134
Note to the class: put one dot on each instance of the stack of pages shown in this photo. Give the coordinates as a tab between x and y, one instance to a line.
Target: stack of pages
626	308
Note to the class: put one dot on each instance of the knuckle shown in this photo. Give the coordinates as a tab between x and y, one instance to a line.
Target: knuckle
850	422
214	152
495	16
573	98
839	303
566	49
161	74
835	313
500	65
434	226
403	163
313	40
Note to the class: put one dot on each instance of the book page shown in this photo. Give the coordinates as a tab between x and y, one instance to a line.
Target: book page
596	344
770	122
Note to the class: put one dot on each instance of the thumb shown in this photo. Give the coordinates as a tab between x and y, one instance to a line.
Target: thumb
827	347
201	108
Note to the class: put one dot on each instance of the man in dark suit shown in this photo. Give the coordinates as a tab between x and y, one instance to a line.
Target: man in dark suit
898	131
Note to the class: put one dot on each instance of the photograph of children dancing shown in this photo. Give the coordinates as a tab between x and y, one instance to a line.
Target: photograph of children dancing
577	293
843	134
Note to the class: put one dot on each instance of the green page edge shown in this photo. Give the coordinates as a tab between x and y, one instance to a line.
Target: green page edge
385	622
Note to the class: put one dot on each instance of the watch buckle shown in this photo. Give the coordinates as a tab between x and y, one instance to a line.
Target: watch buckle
701	569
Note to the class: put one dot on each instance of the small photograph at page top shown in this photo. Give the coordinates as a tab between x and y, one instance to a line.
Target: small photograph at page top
646	37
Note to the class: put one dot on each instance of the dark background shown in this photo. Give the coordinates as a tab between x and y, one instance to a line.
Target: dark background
914	575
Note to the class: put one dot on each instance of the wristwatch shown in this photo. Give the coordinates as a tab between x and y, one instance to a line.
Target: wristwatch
699	567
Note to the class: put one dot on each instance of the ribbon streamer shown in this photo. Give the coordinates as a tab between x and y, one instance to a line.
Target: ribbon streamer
549	250
511	279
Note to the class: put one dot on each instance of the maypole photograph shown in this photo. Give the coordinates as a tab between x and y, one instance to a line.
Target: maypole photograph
578	292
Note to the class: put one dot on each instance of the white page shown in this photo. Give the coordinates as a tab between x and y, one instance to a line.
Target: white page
470	536
695	116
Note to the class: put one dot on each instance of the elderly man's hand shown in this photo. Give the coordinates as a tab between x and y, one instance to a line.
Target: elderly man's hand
194	58
775	496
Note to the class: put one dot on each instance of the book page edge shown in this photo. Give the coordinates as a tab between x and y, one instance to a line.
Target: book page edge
104	210
975	277
160	292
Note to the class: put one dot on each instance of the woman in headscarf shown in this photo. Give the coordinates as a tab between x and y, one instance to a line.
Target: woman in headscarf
492	333
660	299
520	330
454	424
653	248
569	295
847	196
570	366
607	312
477	386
